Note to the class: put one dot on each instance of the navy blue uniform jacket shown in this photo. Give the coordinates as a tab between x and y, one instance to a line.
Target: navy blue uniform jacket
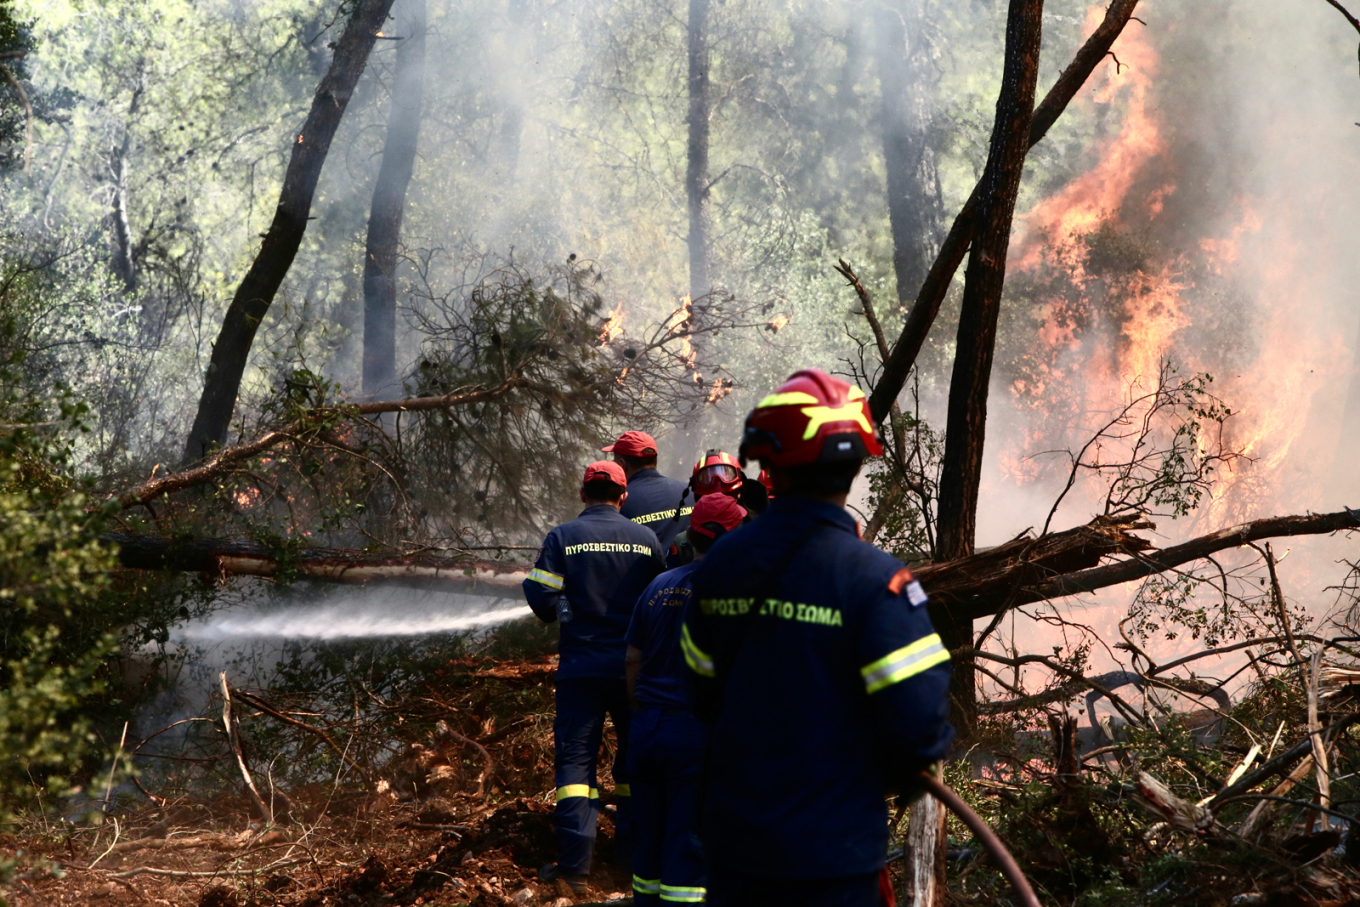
655	631
601	562
652	500
825	686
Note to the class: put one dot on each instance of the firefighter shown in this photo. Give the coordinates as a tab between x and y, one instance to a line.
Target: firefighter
815	665
588	576
666	742
654	501
718	472
721	473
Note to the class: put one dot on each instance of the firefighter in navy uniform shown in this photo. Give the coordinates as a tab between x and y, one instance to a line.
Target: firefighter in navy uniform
666	745
816	667
654	501
718	473
588	576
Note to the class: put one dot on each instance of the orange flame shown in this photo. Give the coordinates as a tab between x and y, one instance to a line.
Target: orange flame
613	326
679	325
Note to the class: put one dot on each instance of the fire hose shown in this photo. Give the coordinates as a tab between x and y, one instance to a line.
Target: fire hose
1009	868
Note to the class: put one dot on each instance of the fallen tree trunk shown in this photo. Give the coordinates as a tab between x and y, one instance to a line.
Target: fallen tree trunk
242	557
1021	571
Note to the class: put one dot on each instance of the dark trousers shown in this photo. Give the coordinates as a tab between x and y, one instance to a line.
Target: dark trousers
728	889
582	703
666	752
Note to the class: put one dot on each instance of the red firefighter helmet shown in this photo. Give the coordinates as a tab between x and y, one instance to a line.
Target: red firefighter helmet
717	472
811	418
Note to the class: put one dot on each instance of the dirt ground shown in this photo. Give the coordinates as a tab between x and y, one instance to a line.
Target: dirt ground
471	827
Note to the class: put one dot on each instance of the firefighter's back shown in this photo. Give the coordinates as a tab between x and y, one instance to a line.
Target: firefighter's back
795	782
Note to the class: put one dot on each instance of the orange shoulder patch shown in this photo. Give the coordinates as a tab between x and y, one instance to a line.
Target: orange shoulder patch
899	580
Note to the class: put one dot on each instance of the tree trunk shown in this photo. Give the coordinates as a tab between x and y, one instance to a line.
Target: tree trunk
936	284
966	430
913	198
925	853
696	170
389	202
984	280
123	264
256	292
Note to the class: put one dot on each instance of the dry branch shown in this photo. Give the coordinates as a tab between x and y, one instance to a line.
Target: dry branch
234	739
256	702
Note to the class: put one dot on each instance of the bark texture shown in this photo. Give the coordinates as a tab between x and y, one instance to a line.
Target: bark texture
389	202
928	300
696	169
256	292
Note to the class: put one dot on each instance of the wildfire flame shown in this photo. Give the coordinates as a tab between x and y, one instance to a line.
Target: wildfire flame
1147	309
613	326
678	325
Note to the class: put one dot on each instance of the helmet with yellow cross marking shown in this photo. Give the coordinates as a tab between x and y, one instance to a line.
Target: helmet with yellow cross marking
811	418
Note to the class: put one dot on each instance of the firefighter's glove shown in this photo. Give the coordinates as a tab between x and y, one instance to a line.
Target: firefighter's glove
913	787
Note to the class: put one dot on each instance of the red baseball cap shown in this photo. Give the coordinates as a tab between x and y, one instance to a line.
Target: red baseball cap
633	444
605	471
716	508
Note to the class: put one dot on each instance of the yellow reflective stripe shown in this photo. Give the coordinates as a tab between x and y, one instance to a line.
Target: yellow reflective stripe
908	661
820	415
793	398
855	394
567	791
646	886
699	662
683	895
547	578
622	790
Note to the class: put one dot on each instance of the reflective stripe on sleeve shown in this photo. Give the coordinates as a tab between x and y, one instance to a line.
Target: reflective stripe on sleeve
699	662
567	791
683	895
549	579
646	886
908	661
622	790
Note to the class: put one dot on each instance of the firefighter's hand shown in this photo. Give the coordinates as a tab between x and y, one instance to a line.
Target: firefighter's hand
913	787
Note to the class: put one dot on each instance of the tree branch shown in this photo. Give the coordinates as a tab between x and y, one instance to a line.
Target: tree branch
218	463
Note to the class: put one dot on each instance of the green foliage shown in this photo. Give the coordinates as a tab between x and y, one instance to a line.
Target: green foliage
51	566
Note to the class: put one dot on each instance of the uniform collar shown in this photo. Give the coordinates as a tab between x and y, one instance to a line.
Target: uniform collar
802	508
597	508
651	472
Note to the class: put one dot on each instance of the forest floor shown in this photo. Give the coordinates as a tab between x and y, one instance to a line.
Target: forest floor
473	829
